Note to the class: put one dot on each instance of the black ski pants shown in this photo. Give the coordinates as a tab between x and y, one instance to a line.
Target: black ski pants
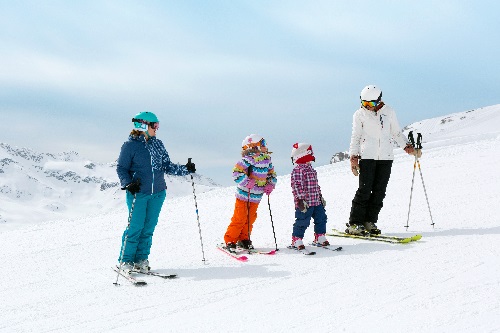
373	178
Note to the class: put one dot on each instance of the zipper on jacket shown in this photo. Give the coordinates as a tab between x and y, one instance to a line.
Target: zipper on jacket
379	136
153	172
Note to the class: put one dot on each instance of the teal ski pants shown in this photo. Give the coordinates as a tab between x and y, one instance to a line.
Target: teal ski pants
139	235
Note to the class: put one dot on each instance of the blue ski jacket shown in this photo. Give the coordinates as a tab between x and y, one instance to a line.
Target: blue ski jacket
147	160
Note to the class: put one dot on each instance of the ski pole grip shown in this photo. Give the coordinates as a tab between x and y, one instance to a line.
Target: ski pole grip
411	138
419	140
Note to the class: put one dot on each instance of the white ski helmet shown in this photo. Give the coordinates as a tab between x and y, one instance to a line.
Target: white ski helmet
371	93
302	153
253	140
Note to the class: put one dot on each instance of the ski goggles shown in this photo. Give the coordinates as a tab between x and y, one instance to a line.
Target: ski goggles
369	103
261	143
142	125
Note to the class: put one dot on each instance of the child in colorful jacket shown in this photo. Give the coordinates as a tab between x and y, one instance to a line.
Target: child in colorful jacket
309	202
254	176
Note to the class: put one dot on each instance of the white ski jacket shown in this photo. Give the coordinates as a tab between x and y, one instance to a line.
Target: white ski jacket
374	132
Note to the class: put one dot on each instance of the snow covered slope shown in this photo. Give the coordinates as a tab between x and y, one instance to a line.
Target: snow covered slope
35	187
459	127
58	275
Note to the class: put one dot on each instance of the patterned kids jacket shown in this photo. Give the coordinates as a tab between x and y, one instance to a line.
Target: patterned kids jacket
262	171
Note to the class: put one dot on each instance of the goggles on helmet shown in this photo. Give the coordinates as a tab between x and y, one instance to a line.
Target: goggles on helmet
142	124
261	143
370	103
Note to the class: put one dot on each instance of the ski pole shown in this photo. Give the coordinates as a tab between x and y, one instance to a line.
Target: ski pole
272	224
411	192
412	141
197	215
425	192
249	171
419	147
125	241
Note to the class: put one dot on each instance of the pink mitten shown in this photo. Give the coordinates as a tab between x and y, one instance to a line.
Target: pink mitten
250	183
268	188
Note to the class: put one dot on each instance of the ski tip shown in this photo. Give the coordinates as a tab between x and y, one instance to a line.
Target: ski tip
242	258
140	283
416	237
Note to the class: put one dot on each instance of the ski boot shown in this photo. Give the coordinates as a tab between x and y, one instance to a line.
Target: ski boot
142	265
355	229
371	228
245	244
320	239
230	246
298	243
126	267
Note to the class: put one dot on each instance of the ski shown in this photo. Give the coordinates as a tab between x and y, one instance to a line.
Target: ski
380	238
413	238
328	247
131	279
153	273
232	254
269	253
303	251
240	250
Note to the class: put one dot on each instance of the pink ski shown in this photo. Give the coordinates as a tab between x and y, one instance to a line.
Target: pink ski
232	254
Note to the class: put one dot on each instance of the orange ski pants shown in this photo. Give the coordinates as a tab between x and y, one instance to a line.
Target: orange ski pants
238	228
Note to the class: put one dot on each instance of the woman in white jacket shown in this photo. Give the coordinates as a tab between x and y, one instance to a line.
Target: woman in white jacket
374	128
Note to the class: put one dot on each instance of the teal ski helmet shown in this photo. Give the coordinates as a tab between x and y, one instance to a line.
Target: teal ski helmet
143	119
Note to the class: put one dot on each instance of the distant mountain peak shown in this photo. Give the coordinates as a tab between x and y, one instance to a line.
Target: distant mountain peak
47	185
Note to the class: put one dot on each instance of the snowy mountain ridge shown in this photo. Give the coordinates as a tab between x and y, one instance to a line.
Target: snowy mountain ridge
461	126
64	185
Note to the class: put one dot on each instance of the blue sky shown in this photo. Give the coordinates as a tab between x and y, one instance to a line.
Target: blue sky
73	74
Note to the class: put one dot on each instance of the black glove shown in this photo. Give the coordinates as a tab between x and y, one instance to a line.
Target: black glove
302	205
134	187
190	166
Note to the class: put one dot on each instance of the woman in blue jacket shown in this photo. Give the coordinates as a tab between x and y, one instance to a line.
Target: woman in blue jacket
141	167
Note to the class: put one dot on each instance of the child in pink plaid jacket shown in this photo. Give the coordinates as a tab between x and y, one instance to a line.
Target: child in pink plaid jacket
309	202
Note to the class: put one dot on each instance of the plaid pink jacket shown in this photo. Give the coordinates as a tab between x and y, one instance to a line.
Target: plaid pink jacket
305	185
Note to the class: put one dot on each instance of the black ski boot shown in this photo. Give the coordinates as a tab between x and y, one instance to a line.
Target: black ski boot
246	244
371	228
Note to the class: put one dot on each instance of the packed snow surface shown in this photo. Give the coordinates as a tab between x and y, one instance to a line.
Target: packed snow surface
57	274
